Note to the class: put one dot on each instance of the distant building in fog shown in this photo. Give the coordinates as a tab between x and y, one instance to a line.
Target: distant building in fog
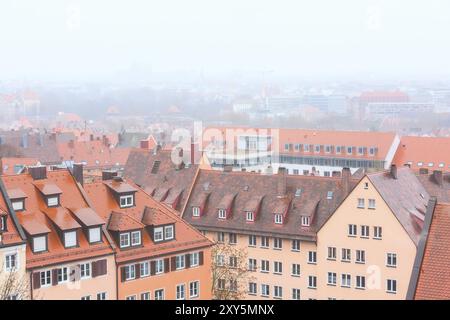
395	109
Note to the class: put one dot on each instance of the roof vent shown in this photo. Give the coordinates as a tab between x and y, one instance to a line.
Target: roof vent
394	174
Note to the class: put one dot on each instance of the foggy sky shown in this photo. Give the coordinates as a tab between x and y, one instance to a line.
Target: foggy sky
59	39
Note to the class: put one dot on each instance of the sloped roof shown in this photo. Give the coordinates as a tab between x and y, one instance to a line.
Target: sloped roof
122	222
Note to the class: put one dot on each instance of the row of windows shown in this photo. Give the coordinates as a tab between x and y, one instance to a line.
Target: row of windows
365	231
277	267
264	241
317	148
100	296
265	291
332	162
62	274
360	282
362	203
360	256
180	292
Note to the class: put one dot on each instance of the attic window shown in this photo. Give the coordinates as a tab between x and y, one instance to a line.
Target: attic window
195	211
329	195
2	223
155	167
250	216
18	205
127	201
163	233
53	201
278	218
70	239
95	235
222	214
298	192
39	244
306	221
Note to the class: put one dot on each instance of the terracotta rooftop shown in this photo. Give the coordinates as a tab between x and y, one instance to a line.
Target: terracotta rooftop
16	194
62	218
434	278
120	187
87	216
12	235
424	152
12	165
254	189
122	222
47	188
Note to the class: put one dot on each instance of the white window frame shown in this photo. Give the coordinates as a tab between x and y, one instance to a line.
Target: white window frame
265	266
295	294
45	281
222	213
265	290
249	216
365	231
278	292
102	295
305	221
312	257
390	283
133	243
157	231
95	235
145	295
361	203
144	269
52	201
391	256
277	267
296	247
172	233
159	294
159	266
252	240
360	256
352	230
333	277
128	201
296	270
70	239
43	246
130	272
312	282
85	270
195	259
180	291
277	243
331	253
378	232
18	205
252	288
124	236
372	204
194	289
195	211
11	261
346	280
278	219
180	262
359	284
64	273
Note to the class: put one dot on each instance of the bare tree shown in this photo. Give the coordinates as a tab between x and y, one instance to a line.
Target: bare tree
13	285
230	272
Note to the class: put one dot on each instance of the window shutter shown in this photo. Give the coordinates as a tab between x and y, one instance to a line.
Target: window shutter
173	264
94	269
166	265
200	258
54	277
102	266
188	260
36	280
152	268
137	270
122	271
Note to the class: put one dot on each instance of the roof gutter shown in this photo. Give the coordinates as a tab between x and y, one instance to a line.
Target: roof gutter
11	211
421	250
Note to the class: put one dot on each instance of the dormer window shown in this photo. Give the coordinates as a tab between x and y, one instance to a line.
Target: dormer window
95	235
127	201
195	211
2	223
124	240
158	234
70	239
222	214
39	243
250	216
128	239
164	233
168	232
278	218
306	221
135	238
329	195
18	205
53	201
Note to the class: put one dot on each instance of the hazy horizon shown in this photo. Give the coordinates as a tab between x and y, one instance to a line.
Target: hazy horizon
83	40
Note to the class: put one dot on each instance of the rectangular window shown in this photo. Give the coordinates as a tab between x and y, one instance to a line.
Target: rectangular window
265	290
346	280
295	270
46	278
252	264
331	280
101	296
233	262
135	238
180	262
277	267
265	266
63	275
195	259
361	204
11	262
130	272
145	296
365	232
232	238
349	150
18	205
85	270
265	242
39	244
168	233
145	269
278	292
250	216
360	256
233	285
295	294
305	221
126	201
312	257
158	234
70	239
159	294
95	235
132	297
195	211
222	214
391	260
53	201
194	289
312	282
346	255
391	286
277	243
252	241
371	204
377	233
295	245
89	298
352	230
360	282
159	266
124	240
252	288
331	253
221	237
278	218
220	260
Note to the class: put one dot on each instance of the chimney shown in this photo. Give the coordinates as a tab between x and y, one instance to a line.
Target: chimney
437	176
77	172
281	182
394	171
108	175
144	144
38	172
345	179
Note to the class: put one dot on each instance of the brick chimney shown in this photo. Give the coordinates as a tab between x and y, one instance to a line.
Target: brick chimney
394	171
345	180
281	182
105	140
437	176
77	172
38	172
108	175
144	144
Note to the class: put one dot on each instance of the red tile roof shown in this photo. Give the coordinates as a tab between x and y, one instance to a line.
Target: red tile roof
433	153
434	277
8	165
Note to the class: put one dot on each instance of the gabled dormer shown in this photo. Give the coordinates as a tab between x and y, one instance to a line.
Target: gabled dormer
66	226
123	193
252	207
225	206
126	230
17	197
173	198
199	203
37	233
280	210
159	225
91	224
50	192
